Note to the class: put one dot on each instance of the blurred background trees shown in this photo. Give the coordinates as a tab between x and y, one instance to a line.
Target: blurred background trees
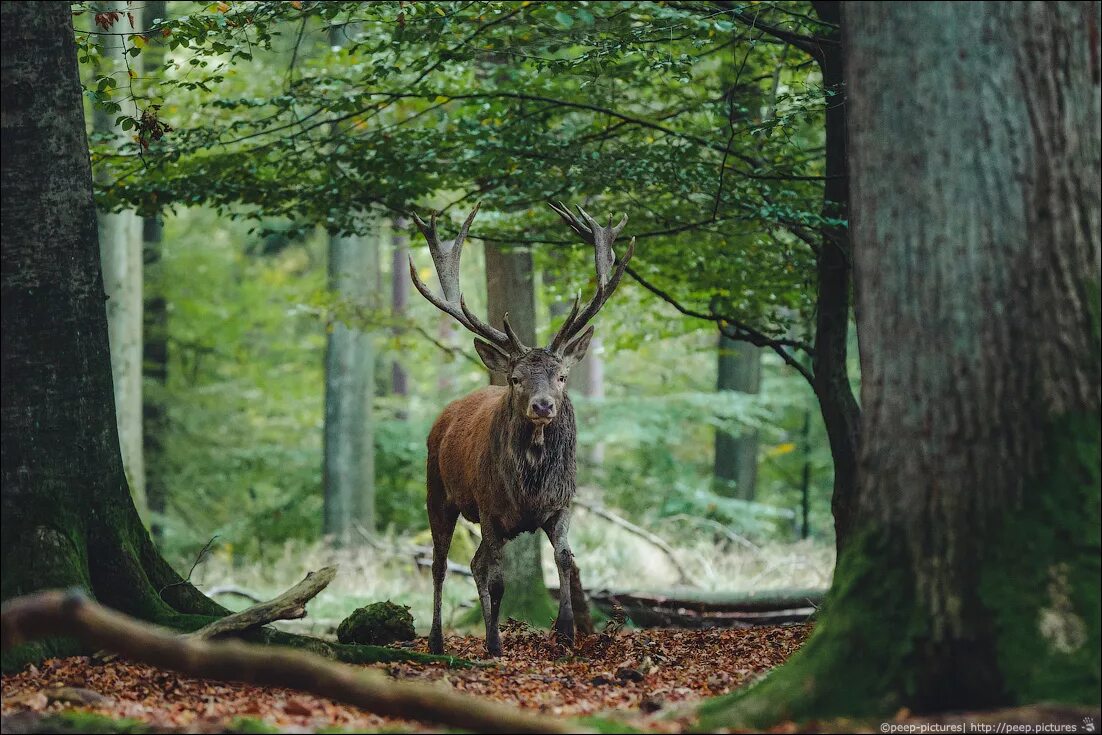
274	150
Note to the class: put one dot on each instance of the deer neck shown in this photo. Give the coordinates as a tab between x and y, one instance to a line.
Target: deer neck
537	444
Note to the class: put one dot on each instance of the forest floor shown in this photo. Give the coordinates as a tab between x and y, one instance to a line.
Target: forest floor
641	676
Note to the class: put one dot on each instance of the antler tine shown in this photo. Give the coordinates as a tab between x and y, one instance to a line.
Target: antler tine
484	330
514	340
445	257
608	277
557	340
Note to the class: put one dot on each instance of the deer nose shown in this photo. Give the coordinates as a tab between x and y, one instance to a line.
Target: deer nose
543	407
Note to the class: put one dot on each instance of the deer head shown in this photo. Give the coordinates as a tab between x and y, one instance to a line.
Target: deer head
537	376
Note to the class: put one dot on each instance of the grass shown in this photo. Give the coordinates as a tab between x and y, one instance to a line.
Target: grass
608	556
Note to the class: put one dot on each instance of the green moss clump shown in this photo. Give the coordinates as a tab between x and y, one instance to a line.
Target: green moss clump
377	624
1048	641
76	721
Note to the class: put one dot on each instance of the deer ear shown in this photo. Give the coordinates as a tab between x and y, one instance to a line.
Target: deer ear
492	357
575	351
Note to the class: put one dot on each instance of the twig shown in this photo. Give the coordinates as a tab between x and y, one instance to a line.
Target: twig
198	560
685	577
48	614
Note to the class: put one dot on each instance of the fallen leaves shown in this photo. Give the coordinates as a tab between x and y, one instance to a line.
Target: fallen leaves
639	673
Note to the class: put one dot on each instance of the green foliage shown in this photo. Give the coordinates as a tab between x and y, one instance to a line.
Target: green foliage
378	624
708	134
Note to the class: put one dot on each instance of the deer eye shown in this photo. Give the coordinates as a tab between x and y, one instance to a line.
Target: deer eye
516	380
562	378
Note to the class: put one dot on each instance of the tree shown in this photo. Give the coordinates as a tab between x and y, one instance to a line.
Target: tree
736	457
349	470
510	288
349	446
399	301
120	238
971	579
731	172
154	330
68	519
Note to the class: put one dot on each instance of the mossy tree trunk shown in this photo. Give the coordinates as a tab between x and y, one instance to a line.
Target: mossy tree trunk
68	518
510	288
972	577
66	515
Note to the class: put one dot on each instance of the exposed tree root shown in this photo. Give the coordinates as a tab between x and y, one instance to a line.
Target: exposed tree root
53	613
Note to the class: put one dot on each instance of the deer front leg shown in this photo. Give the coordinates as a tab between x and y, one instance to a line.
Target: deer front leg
557	528
489	577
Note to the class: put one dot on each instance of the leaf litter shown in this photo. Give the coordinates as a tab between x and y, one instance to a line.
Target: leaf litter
643	677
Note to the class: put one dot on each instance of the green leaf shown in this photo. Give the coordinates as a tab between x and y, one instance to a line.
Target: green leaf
565	20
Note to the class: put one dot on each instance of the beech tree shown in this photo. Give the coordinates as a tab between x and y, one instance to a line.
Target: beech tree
510	288
68	519
971	580
67	516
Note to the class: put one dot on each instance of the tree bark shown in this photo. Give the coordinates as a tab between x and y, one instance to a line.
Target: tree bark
349	471
66	515
736	456
399	300
510	288
68	518
841	414
154	328
120	241
971	577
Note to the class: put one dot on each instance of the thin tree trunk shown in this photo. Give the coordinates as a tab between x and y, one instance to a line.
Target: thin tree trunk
155	329
510	288
120	240
349	471
590	374
971	576
399	300
841	414
736	456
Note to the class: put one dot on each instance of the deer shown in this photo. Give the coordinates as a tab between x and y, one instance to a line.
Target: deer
504	456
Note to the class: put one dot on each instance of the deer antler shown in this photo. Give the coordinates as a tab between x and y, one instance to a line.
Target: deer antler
601	238
445	257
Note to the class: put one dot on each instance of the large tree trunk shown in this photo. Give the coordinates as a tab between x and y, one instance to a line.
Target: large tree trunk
155	327
510	288
971	577
738	368
68	519
120	242
349	471
841	414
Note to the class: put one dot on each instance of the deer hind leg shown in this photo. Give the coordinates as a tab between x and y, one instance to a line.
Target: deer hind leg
557	527
489	577
442	519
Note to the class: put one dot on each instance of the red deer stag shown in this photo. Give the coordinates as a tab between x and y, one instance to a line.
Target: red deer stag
503	456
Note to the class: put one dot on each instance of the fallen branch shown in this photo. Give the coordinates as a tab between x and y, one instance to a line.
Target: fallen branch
688	609
291	605
48	614
683	576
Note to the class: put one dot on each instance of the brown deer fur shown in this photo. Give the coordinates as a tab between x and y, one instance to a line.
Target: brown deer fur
503	457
